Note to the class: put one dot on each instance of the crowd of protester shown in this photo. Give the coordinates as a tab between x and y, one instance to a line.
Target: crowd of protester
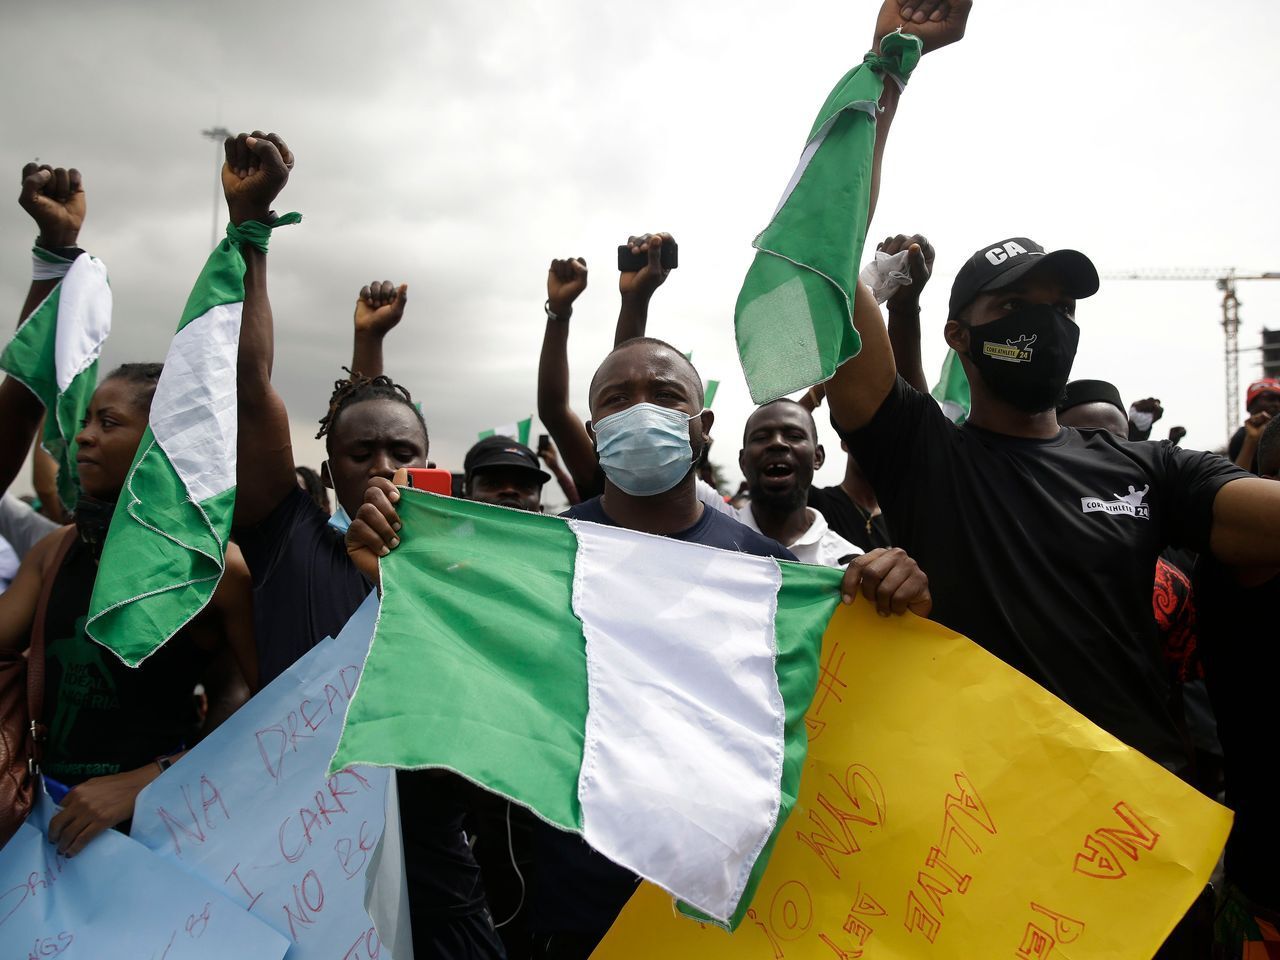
1130	577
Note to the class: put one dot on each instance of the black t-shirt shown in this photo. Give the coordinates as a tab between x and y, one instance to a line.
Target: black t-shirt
1044	551
576	890
104	717
306	588
1237	634
849	520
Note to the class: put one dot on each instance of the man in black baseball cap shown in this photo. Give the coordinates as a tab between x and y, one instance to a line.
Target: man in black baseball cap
1040	541
1013	306
505	472
1094	405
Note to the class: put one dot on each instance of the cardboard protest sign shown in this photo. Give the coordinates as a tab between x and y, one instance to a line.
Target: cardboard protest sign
116	899
950	807
253	811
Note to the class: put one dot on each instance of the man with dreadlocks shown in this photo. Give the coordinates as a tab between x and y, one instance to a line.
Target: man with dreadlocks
305	586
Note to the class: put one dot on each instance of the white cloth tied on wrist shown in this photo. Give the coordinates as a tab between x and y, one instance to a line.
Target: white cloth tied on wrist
1142	419
887	273
48	266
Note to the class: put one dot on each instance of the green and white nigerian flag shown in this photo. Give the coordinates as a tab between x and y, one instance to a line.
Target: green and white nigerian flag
645	693
165	551
952	390
794	317
709	396
517	431
54	353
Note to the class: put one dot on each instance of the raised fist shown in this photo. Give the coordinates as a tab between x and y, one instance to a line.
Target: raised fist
256	170
936	22
566	279
379	307
54	198
651	276
919	265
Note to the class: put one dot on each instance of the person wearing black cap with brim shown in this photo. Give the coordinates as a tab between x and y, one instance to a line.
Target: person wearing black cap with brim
1094	405
1040	540
504	472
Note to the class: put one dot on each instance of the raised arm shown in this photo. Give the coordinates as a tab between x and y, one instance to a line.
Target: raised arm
861	384
55	200
904	307
256	170
379	307
547	453
566	279
638	286
1253	428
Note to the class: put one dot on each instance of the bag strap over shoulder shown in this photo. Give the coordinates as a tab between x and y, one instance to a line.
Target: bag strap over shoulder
35	652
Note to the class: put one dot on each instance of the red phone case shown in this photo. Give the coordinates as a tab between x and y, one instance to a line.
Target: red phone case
433	481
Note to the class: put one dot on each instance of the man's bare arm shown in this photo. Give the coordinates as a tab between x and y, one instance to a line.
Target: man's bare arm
566	279
862	382
904	307
379	307
637	287
256	170
54	198
1246	523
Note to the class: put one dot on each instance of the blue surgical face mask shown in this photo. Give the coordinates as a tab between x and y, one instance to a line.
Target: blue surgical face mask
644	450
340	520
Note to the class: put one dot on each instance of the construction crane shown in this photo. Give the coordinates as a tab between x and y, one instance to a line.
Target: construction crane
1225	278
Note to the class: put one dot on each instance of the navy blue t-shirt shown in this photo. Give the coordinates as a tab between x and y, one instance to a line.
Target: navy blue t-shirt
576	890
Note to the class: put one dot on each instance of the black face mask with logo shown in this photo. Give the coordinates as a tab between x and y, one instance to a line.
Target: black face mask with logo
1025	357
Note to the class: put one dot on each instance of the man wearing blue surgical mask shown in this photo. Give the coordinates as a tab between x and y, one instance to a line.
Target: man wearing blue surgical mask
649	427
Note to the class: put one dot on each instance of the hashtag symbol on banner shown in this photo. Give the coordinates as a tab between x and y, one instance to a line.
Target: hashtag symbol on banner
829	679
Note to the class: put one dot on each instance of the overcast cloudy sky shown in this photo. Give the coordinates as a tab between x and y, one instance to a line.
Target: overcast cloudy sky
457	147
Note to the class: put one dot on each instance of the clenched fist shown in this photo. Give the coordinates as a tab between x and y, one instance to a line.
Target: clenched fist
257	168
54	197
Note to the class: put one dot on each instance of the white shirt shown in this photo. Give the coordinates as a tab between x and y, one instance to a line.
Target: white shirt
819	544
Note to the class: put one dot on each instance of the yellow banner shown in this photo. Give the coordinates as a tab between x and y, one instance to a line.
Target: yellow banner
952	808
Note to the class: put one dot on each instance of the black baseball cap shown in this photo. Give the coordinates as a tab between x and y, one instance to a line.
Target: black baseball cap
1001	264
501	452
1091	391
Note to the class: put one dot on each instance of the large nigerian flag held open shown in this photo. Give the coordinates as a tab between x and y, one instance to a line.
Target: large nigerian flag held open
165	551
794	317
54	353
646	693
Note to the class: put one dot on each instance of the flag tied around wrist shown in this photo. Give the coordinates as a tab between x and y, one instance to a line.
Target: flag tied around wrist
165	551
54	353
794	316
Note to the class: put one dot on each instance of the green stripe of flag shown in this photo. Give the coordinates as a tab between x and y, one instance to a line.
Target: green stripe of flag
952	390
794	315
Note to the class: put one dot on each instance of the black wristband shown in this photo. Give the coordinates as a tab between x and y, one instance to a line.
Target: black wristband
66	253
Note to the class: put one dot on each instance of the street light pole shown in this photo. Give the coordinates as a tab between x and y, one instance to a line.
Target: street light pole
217	135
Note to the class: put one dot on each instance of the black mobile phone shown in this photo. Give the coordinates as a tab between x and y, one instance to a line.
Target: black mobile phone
629	262
544	441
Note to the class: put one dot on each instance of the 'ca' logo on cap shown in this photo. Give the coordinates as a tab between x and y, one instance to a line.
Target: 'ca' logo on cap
998	255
